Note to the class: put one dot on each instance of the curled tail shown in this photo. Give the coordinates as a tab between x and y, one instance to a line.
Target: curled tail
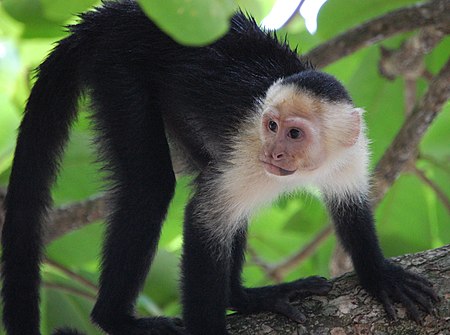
43	133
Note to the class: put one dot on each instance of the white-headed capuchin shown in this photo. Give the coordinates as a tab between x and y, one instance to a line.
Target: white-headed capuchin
246	116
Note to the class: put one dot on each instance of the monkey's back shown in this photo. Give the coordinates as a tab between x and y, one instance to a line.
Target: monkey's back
207	90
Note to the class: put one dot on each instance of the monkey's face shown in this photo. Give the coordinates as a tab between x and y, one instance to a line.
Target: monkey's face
300	132
290	143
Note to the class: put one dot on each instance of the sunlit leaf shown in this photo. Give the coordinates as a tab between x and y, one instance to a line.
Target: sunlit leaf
336	15
62	10
192	22
9	121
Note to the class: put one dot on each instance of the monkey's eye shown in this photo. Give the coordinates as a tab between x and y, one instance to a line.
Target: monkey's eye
295	133
272	125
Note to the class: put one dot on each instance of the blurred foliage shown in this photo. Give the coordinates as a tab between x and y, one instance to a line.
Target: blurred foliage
411	217
191	22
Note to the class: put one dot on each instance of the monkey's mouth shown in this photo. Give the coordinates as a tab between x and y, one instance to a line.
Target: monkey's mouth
276	170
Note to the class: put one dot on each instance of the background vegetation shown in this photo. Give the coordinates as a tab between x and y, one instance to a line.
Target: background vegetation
413	216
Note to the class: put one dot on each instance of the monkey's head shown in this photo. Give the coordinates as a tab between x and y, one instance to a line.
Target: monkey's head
307	119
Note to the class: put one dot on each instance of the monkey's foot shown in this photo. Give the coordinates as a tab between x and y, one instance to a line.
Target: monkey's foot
398	285
144	326
277	298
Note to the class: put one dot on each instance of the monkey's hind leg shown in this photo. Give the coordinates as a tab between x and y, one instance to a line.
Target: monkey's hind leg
275	298
135	146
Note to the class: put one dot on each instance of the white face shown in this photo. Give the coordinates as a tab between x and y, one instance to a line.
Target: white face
329	148
295	134
289	142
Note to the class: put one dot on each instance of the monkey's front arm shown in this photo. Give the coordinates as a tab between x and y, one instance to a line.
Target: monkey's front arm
387	282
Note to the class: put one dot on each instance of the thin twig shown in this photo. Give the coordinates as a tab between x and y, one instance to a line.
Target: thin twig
433	13
74	216
258	261
439	192
278	271
404	146
71	290
408	61
73	275
443	165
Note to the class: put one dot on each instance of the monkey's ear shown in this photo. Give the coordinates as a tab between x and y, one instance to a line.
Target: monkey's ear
353	125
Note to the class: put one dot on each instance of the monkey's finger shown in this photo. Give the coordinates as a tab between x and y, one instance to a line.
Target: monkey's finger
420	298
419	278
424	288
388	305
289	311
410	306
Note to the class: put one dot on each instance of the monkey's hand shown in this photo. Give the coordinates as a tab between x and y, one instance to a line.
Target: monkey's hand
394	284
277	298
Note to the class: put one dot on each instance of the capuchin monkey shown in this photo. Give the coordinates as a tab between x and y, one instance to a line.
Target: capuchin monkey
245	116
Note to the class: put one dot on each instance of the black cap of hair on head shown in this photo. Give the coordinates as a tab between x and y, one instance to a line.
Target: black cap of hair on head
320	84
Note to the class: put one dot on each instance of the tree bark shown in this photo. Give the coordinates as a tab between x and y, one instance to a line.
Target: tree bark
433	13
348	309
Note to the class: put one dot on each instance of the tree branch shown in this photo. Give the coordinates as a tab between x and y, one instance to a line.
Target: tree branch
74	216
408	60
71	290
404	146
436	189
73	275
433	13
348	309
67	218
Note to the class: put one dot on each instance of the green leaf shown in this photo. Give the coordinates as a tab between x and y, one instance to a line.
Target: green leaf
67	310
8	26
338	15
9	122
436	140
162	282
10	66
31	13
171	235
403	218
191	22
62	10
309	218
24	10
257	9
79	248
439	56
382	99
80	176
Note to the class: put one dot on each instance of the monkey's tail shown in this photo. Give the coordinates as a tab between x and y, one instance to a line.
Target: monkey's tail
43	133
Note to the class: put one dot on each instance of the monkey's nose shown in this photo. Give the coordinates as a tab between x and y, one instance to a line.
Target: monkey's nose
278	155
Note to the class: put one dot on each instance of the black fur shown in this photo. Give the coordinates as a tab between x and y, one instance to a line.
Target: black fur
144	86
355	227
320	84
